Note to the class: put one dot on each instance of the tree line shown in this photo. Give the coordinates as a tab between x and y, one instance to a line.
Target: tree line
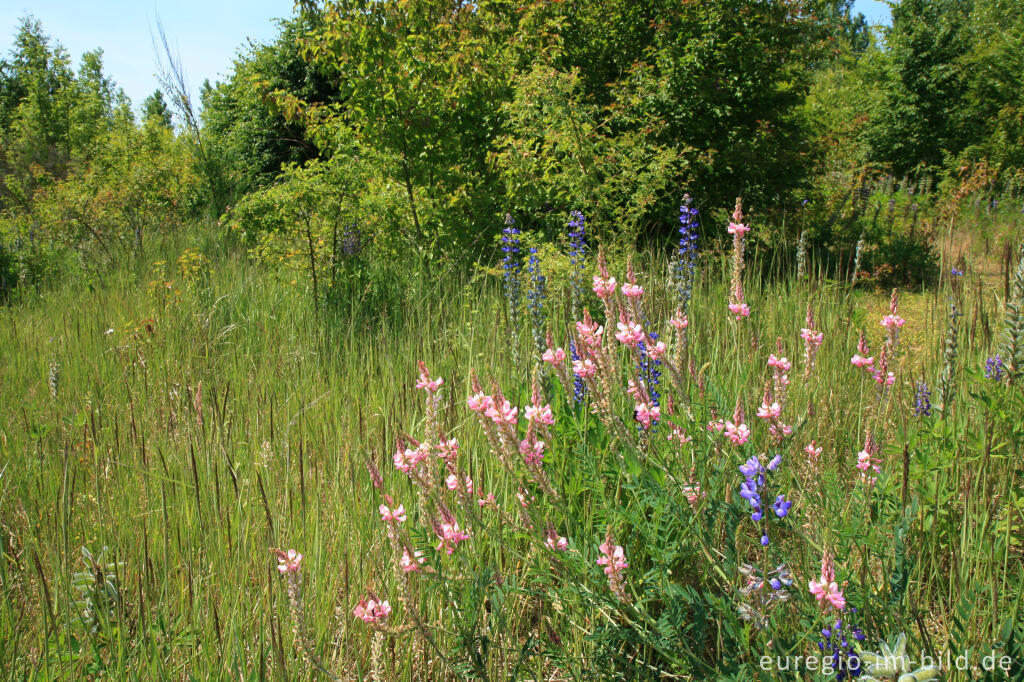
422	122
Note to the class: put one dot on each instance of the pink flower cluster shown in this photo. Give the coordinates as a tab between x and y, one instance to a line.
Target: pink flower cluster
812	337
604	287
613	558
825	589
410	455
892	323
629	333
450	535
737	304
740	310
867	462
812	342
780	367
679	321
645	410
389	515
541	414
769	411
693	493
738	229
411	562
863	359
554	541
496	408
372	610
590	332
500	411
288	562
737	433
774	399
632	290
554	357
425	382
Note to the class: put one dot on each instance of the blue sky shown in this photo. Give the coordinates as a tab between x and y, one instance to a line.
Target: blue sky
876	11
207	34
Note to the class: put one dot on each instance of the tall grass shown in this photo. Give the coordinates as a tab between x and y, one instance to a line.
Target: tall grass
181	428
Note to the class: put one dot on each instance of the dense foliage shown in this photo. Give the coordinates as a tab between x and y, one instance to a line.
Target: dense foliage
454	115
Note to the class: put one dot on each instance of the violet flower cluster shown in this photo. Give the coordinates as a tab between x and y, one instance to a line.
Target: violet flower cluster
535	296
351	241
839	643
922	400
578	260
754	490
511	269
994	368
685	267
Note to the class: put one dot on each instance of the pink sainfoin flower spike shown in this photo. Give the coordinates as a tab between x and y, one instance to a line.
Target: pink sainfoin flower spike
735	430
862	358
867	463
888	378
411	563
453	482
584	368
629	333
737	303
480	402
450	535
632	290
532	451
891	322
613	558
693	493
604	288
737	433
767	411
425	382
554	357
779	363
501	412
589	330
407	458
812	337
679	321
825	590
740	310
554	541
389	515
813	451
371	610
738	229
647	414
448	450
288	562
541	414
812	341
860	361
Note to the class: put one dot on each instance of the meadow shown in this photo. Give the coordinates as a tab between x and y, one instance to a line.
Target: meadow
675	463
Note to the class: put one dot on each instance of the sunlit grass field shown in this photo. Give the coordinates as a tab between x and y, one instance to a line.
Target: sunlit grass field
162	431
